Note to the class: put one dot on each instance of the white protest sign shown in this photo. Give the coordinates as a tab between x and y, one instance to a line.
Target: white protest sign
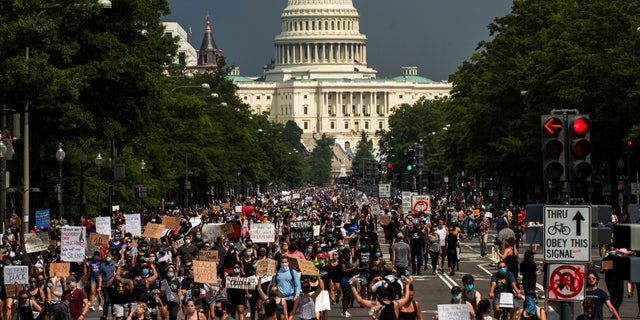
103	225
19	274
134	226
316	231
211	231
453	312
263	232
36	242
72	244
241	282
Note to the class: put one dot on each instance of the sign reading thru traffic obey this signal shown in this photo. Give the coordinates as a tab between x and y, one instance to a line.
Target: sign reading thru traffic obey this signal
567	233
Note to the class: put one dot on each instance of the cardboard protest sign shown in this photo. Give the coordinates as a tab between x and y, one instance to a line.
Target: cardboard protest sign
316	231
98	240
12	289
226	205
72	248
60	269
293	263
226	228
263	232
103	225
241	283
16	274
153	230
36	242
308	268
205	272
453	311
133	223
265	267
211	231
385	220
300	229
208	255
171	223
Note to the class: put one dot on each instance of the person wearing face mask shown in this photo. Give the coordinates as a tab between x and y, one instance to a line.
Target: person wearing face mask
186	253
530	309
503	282
77	298
305	307
363	255
92	268
469	293
198	241
230	258
274	301
288	283
28	307
107	271
237	297
323	301
411	309
173	302
613	279
456	298
36	292
143	277
384	307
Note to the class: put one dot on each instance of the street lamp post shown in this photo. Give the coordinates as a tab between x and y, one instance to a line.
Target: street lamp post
83	201
111	178
142	193
60	155
3	194
98	162
202	86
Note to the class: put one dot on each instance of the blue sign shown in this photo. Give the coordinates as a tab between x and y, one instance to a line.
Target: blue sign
43	219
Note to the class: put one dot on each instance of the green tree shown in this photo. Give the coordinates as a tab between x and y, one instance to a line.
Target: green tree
320	161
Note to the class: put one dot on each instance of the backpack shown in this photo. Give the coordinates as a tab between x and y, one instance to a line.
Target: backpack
61	311
394	288
499	223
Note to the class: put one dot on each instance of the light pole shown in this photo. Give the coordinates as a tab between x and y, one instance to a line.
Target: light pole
82	158
142	193
60	155
98	162
3	194
110	164
187	183
202	86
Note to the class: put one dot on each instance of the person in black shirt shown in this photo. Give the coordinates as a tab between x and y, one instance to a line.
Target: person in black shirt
416	238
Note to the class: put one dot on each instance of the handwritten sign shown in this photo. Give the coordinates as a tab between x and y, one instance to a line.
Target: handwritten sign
60	269
263	232
211	231
241	282
308	268
153	230
300	229
98	240
205	272
293	263
16	274
226	228
316	231
36	242
133	223
12	289
72	247
171	223
103	225
265	267
208	255
385	220
43	219
453	311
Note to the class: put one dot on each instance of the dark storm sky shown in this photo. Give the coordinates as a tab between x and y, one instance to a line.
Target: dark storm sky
435	36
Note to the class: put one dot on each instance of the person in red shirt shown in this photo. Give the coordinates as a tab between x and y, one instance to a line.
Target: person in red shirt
78	301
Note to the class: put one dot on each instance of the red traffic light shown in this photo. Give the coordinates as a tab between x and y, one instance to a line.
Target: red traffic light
581	125
389	166
552	126
630	143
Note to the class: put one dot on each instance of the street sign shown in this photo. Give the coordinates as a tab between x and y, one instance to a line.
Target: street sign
408	220
421	204
407	202
635	188
384	190
567	233
566	282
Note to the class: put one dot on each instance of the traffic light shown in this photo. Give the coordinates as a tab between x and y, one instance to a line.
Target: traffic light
420	157
580	142
411	160
379	171
389	170
136	191
553	157
628	148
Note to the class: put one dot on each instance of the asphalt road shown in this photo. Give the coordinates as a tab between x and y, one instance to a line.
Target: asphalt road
431	290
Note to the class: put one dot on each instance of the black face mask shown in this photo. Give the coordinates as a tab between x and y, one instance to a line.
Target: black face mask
218	313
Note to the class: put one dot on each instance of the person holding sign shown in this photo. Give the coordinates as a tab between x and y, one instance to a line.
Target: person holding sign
391	310
237	297
273	300
456	298
306	303
28	308
503	281
288	283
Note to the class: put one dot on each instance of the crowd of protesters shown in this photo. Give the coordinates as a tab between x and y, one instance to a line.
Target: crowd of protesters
133	277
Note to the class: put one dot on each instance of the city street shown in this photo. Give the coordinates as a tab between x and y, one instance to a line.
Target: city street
431	290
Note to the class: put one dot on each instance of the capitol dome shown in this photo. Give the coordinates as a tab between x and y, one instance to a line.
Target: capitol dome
320	39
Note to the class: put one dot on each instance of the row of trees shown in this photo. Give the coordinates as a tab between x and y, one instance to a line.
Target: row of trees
95	80
544	55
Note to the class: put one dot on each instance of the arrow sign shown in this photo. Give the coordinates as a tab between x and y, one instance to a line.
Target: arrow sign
578	218
552	126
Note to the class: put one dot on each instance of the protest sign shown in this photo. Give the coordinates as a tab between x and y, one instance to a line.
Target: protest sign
153	230
208	255
72	246
16	274
241	283
226	228
171	223
12	289
265	267
43	219
36	242
211	231
263	232
60	269
300	229
308	268
103	225
133	224
98	240
453	312
316	231
293	264
385	220
205	272
226	205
